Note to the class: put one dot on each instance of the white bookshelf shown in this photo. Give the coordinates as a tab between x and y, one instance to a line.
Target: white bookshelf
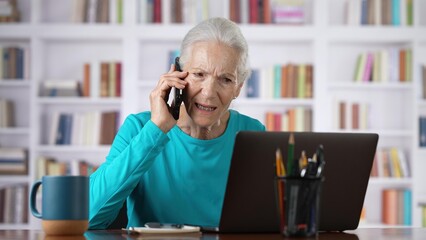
59	49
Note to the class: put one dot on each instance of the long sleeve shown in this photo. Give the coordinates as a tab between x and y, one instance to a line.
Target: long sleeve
132	153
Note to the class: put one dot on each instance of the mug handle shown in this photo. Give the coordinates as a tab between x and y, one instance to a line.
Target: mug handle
33	195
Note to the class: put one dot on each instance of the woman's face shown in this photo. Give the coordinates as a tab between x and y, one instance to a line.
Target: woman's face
212	82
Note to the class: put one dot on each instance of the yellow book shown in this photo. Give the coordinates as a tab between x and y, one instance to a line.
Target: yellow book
395	162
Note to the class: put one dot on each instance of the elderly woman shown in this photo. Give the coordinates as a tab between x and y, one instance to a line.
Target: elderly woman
176	170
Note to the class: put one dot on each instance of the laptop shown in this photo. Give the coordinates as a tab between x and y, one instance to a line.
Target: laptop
249	203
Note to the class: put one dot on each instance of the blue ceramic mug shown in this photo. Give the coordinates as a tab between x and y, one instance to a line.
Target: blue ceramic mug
64	203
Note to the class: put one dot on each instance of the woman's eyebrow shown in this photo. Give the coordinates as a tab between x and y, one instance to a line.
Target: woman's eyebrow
229	75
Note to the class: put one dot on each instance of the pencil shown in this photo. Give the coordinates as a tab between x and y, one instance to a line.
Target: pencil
279	163
290	154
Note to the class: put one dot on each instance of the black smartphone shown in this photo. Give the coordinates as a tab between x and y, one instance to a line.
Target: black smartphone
163	225
178	98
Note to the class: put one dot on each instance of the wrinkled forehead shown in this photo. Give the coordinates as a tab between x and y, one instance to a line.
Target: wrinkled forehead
213	57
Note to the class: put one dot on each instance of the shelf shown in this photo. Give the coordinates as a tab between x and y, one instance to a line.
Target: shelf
373	34
79	101
6	179
350	85
252	32
382	133
12	226
274	102
15	131
379	225
16	30
390	181
74	149
14	83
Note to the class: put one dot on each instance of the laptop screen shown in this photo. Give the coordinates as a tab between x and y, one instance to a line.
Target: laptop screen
250	205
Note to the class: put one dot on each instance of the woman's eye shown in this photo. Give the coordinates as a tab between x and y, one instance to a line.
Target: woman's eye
198	74
227	80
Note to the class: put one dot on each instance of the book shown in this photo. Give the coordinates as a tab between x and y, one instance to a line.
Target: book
422	131
61	88
86	80
108	127
253	84
390	206
7	113
13	161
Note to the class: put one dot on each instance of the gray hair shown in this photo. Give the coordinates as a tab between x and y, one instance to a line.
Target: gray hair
223	31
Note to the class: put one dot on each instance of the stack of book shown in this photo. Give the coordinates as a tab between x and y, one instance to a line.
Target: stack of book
14	203
9	11
380	12
351	115
281	81
49	166
390	162
101	79
87	129
267	11
6	113
396	206
13	161
295	120
61	88
392	65
97	11
176	11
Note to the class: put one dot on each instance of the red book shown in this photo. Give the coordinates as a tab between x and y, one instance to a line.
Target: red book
277	122
234	10
86	80
254	8
402	65
355	116
157	11
390	206
267	19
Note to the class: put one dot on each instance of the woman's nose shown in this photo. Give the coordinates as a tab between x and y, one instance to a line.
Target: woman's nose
209	87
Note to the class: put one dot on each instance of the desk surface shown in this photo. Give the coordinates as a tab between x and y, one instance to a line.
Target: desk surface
359	234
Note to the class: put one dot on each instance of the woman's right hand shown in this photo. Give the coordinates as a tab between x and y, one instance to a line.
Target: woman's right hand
160	110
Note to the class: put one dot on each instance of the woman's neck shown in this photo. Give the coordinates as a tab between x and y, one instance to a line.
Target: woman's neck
187	125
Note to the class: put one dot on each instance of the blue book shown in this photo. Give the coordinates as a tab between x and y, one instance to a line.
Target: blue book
396	18
422	131
364	12
253	84
60	133
68	129
407	207
19	63
6	63
277	81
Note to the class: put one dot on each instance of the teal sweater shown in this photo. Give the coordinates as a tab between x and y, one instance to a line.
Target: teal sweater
169	177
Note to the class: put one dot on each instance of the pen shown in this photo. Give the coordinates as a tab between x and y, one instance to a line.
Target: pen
320	160
290	155
303	163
